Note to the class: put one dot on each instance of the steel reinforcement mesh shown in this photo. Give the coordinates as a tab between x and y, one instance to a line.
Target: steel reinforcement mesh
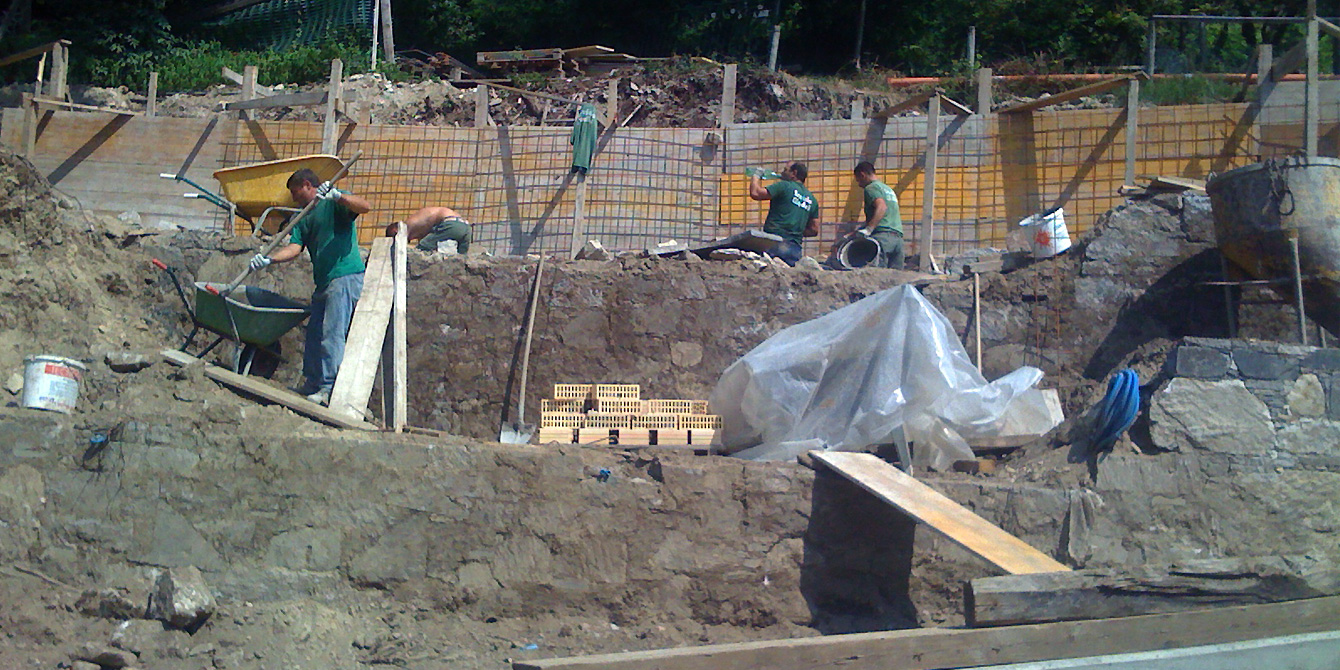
649	185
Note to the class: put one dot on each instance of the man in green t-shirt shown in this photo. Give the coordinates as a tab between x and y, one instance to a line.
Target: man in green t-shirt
882	219
793	213
330	237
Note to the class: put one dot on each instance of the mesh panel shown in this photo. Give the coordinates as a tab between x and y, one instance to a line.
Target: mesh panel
283	23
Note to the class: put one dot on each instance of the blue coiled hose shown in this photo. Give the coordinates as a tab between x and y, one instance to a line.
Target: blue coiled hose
1114	413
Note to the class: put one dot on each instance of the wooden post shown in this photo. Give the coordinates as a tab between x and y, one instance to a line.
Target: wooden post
388	39
29	126
1132	127
728	96
1149	48
984	90
41	72
59	69
248	89
151	105
395	370
977	317
1311	106
927	261
333	89
612	103
857	108
972	46
1298	291
578	218
481	106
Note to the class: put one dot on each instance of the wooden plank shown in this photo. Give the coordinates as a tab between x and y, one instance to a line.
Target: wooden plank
929	648
1073	94
728	95
256	387
55	102
926	262
1311	98
398	382
235	77
388	31
938	512
984	90
333	96
29	53
367	332
481	107
301	99
1328	28
958	108
1176	183
151	103
910	103
1131	591
1132	127
577	239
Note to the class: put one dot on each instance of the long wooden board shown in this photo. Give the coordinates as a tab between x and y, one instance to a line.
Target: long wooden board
367	333
927	648
937	511
288	399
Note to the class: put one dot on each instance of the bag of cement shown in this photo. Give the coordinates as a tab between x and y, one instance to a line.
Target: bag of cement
853	378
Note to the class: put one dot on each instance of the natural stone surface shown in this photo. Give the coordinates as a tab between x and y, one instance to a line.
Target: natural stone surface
1307	398
181	599
305	549
108	658
22	497
127	361
1218	416
1256	364
1199	363
110	603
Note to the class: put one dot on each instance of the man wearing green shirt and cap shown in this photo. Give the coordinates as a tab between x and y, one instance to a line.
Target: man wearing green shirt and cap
793	213
882	219
328	234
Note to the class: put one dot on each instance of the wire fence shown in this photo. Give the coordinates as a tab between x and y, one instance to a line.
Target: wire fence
649	185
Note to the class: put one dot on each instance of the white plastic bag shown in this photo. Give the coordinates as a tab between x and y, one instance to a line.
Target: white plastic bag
853	377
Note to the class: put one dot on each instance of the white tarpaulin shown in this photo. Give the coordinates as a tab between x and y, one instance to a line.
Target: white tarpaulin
888	364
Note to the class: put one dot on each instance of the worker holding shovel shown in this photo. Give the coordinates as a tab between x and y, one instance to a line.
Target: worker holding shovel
328	233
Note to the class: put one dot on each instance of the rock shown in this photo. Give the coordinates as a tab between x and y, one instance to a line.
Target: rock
305	549
14	384
181	599
238	243
686	354
84	665
593	250
138	636
1307	398
727	254
110	603
127	361
103	656
808	263
1220	416
1254	364
778	263
1198	362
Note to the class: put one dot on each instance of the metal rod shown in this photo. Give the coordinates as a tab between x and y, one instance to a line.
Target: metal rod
1232	19
1298	291
977	315
1230	309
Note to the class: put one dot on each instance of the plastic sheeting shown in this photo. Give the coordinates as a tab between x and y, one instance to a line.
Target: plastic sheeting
886	367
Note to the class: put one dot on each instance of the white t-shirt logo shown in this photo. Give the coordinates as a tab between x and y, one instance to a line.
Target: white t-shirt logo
801	200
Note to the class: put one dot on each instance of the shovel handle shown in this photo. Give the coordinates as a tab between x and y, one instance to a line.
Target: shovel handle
279	238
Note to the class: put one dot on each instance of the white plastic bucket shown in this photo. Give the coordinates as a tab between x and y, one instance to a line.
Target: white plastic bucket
51	383
1047	233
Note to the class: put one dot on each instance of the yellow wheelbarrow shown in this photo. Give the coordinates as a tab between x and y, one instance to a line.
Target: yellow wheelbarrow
259	194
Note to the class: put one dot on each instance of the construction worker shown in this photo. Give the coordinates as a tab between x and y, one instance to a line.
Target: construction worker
328	234
882	219
431	225
793	213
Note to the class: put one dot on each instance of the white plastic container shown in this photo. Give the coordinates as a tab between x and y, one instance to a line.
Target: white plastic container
1047	232
51	383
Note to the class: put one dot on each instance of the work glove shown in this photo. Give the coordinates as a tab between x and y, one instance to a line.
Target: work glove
259	261
327	191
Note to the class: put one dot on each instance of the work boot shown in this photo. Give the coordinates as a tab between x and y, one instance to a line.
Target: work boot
321	397
306	388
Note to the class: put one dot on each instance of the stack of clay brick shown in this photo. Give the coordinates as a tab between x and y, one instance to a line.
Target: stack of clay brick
617	414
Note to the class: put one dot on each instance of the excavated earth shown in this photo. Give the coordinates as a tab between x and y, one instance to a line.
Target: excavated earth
329	548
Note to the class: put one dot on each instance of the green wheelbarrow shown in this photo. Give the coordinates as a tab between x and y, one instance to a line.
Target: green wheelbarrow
251	317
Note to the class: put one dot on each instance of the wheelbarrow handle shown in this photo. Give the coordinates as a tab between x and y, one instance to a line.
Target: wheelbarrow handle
176	283
283	234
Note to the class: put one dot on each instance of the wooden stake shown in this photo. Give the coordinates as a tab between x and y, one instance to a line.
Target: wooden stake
612	103
578	218
1311	104
977	316
151	106
395	369
388	38
249	76
984	93
728	96
59	70
328	137
857	108
927	261
1132	127
481	106
29	125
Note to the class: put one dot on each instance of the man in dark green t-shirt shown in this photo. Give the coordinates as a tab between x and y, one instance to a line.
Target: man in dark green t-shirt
330	237
793	213
883	222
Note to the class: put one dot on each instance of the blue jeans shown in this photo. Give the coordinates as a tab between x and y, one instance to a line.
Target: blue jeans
327	328
787	251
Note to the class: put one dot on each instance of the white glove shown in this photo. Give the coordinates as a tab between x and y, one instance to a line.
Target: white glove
327	191
259	261
863	232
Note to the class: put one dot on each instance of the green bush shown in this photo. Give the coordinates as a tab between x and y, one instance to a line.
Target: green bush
1188	90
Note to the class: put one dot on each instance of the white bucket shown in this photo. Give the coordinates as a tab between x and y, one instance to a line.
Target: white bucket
1047	232
51	382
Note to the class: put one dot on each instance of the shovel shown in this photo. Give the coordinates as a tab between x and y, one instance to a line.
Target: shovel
518	431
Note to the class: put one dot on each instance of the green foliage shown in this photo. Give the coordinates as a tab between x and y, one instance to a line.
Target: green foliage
1188	90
